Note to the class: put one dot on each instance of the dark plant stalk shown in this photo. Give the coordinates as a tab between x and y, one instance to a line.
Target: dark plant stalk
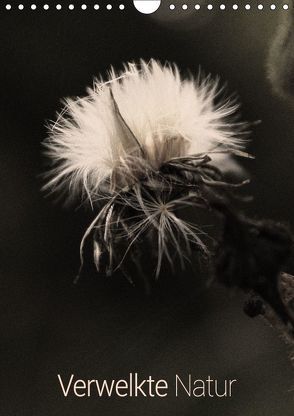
251	256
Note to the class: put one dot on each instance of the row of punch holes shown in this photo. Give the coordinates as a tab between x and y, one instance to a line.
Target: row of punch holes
171	6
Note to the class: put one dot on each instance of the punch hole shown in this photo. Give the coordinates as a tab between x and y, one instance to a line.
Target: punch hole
147	6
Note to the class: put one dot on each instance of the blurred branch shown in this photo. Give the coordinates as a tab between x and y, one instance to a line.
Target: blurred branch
250	256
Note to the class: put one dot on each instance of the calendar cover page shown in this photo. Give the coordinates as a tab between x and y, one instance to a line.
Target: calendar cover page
147	208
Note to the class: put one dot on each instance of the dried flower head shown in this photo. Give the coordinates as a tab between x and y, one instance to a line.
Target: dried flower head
146	142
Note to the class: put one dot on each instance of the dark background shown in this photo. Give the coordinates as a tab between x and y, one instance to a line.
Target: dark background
104	328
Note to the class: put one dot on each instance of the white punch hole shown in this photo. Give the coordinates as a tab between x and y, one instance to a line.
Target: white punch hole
147	6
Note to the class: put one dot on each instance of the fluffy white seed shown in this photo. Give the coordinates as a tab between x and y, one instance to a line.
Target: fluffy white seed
146	113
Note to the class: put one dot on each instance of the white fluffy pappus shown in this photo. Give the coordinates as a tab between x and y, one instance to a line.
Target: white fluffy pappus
143	141
138	119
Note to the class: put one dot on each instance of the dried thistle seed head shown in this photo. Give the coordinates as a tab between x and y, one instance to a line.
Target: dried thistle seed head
143	142
140	118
